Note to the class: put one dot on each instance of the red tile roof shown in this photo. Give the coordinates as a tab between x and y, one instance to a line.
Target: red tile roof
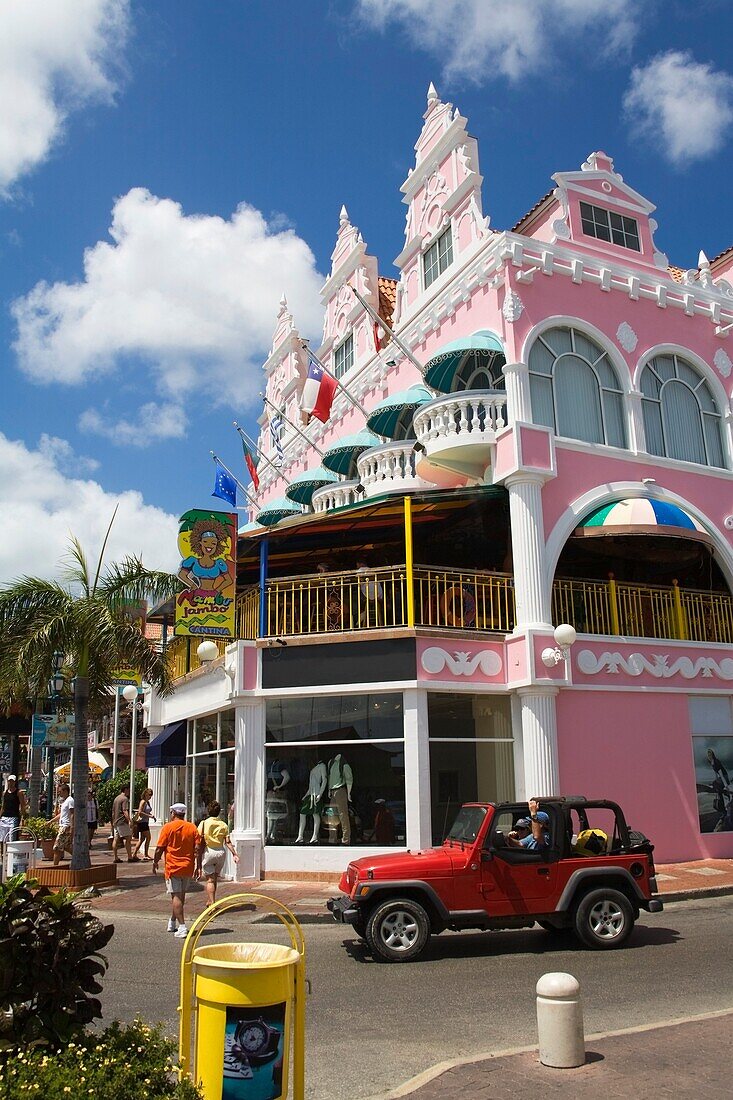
387	298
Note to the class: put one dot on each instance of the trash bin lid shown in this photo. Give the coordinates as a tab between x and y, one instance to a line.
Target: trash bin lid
244	956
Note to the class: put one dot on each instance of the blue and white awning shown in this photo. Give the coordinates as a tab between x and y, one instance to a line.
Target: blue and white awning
642	516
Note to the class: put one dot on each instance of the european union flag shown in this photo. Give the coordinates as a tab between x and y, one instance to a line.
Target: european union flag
225	487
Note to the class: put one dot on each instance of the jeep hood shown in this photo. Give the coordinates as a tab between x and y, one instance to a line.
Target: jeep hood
409	865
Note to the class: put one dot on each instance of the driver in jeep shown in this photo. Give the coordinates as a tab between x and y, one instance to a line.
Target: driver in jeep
531	833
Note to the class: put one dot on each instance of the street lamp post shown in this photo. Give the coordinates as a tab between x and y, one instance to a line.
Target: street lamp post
130	694
55	688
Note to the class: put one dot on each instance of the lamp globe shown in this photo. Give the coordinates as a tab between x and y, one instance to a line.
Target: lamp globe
207	652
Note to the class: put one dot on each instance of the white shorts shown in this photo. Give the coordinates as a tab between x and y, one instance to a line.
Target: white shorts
213	861
123	832
177	885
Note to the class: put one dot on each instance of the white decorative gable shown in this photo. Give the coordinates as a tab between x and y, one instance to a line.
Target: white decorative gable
343	314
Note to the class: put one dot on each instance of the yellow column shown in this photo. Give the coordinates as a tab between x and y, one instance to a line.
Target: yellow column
679	613
613	604
409	563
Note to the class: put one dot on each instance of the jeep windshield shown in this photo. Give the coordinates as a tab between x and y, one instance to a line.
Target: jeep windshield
466	826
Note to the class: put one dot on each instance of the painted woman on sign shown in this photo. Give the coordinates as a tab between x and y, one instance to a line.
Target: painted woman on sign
206	567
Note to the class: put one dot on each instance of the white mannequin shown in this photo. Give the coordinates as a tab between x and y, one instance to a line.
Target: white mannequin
317	782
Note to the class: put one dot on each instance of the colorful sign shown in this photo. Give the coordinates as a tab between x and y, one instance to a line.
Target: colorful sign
121	677
208	545
60	732
136	611
39	729
254	1049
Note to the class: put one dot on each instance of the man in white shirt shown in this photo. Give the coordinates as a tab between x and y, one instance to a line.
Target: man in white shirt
65	818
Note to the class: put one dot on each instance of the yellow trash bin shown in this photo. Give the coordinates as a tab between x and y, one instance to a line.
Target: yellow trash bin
247	1004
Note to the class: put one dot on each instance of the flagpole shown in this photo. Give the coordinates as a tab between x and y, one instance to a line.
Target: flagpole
341	386
280	413
216	458
381	321
254	446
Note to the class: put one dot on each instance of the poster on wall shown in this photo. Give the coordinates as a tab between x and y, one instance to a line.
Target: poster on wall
714	782
136	612
254	1044
60	732
208	545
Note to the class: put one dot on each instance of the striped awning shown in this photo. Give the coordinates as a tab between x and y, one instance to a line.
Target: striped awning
341	456
303	485
642	516
275	510
484	348
392	417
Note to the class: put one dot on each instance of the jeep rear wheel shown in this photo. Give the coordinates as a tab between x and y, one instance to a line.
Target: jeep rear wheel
604	919
398	930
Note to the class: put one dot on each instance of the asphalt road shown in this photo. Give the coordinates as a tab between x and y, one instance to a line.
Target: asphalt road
371	1026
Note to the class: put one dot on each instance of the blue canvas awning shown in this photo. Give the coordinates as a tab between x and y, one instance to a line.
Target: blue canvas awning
392	416
304	485
168	748
482	350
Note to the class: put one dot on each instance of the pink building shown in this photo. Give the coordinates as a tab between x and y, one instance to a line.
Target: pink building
547	441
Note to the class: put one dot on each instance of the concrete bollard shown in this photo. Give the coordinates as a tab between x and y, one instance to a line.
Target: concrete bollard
560	1021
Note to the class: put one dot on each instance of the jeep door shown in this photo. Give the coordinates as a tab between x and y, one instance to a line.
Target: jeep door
516	880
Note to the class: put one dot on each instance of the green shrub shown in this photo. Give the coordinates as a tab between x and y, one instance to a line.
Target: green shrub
107	792
121	1063
49	964
41	829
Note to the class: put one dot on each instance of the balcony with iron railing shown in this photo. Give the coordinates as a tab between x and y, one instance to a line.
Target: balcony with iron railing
365	600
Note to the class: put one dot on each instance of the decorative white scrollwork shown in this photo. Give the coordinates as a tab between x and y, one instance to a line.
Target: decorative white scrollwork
626	336
513	307
435	659
722	362
660	666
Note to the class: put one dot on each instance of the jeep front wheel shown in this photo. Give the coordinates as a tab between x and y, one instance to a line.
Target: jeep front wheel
604	919
398	930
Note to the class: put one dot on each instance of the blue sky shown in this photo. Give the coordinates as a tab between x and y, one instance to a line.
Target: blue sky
218	139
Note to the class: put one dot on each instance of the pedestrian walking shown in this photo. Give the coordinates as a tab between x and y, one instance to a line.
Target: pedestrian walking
12	809
180	843
215	835
92	814
143	816
65	819
122	827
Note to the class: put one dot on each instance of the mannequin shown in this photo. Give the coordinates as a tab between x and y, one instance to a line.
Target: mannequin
312	803
340	782
279	775
276	811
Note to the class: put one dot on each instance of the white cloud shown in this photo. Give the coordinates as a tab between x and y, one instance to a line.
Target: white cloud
41	506
686	106
196	296
153	422
61	454
480	39
55	57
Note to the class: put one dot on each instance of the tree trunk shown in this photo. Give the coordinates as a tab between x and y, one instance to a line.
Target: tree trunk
80	776
34	787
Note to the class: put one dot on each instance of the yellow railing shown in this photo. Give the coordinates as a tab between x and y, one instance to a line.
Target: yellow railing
364	599
182	653
248	612
468	600
708	616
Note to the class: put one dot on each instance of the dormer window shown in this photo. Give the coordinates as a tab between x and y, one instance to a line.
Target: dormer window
607	225
438	257
344	357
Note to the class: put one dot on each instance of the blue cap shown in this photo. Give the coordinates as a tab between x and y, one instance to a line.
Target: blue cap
523	823
543	817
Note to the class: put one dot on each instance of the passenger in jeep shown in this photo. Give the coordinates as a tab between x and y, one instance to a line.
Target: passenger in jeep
531	832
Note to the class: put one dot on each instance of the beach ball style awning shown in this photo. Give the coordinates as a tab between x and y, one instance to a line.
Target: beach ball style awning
303	486
275	510
341	456
392	417
484	348
642	516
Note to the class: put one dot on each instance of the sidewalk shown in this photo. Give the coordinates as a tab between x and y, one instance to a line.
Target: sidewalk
687	1059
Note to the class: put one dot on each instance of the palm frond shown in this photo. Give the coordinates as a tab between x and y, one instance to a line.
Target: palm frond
128	580
101	552
76	570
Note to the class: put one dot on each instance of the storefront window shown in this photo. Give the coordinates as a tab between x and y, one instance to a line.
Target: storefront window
711	721
471	754
335	771
210	765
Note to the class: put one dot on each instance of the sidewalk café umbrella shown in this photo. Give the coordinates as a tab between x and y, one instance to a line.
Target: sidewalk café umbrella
483	348
303	486
392	417
97	765
642	516
341	456
275	510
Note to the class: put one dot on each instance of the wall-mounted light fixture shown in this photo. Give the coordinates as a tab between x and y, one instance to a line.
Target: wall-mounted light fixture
565	636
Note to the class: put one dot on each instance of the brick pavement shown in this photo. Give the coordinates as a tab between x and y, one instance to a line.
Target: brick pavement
690	1058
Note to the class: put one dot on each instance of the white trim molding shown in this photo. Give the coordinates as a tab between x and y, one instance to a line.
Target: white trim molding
637	664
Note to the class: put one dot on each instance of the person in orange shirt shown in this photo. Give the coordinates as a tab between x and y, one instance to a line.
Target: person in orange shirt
179	841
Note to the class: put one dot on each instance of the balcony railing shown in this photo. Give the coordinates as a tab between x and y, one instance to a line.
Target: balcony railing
390	468
336	496
183	656
478	413
468	600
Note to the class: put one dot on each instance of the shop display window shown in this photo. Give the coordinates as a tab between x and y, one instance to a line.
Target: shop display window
711	721
471	754
335	771
210	766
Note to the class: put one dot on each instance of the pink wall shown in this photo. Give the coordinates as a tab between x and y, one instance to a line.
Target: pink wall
635	748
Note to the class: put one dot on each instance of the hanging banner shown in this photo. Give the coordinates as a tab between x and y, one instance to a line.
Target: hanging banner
208	545
136	611
60	732
39	729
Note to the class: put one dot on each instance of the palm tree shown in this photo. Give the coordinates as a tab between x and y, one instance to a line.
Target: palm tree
87	619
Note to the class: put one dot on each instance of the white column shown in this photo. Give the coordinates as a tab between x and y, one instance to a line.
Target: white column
637	435
417	769
539	739
249	787
518	402
528	550
163	782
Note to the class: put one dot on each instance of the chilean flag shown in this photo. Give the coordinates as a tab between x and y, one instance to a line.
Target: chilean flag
318	392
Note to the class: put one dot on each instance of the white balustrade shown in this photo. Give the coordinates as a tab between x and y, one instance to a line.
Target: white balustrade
461	428
389	468
338	495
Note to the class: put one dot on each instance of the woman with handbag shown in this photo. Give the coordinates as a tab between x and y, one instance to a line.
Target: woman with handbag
141	821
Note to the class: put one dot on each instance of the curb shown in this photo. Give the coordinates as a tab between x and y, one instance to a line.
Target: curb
428	1075
692	894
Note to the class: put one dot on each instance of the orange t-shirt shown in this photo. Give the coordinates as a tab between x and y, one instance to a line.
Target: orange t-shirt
179	839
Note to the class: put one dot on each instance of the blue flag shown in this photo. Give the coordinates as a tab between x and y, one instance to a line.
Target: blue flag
276	431
225	487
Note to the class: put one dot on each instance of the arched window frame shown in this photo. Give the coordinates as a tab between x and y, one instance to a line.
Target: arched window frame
603	389
703	384
497	380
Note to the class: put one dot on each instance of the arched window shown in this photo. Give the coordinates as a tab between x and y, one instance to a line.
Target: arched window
480	371
574	388
681	417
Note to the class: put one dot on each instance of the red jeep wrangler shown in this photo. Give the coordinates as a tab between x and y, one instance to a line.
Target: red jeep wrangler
593	876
